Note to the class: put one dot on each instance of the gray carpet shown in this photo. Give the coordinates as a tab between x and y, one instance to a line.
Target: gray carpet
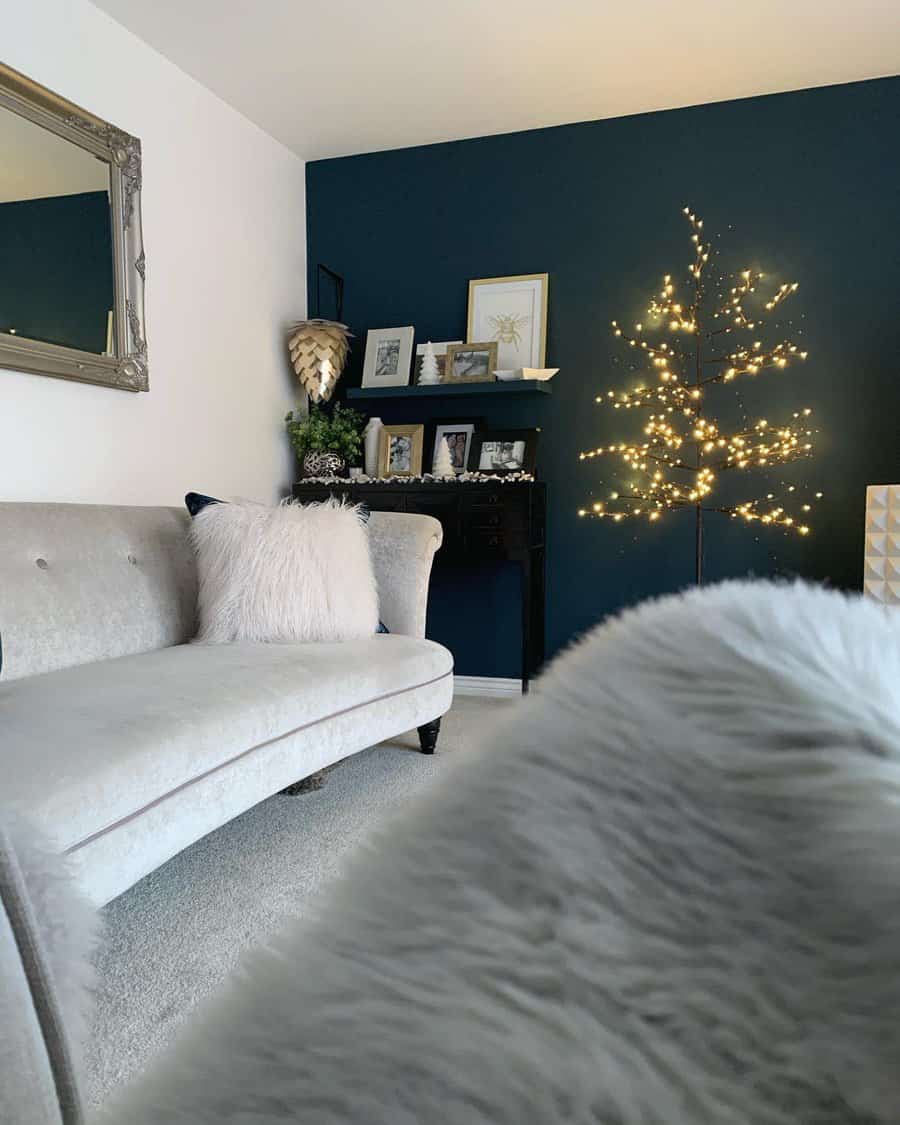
171	939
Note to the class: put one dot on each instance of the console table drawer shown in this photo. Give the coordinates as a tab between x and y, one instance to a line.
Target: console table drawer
439	505
488	519
485	539
504	498
482	498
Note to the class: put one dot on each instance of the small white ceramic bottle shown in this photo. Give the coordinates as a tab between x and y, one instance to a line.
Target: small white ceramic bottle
372	434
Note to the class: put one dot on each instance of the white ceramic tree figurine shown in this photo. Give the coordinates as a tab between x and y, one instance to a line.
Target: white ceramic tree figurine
443	465
429	374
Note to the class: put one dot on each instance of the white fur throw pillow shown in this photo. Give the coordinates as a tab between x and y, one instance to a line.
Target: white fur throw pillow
294	573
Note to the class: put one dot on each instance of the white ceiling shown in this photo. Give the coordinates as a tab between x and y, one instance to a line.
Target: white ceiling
36	163
332	77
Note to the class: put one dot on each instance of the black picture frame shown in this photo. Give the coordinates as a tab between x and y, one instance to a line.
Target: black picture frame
436	423
529	462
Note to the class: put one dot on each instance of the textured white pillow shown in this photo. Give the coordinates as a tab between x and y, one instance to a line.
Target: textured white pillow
295	573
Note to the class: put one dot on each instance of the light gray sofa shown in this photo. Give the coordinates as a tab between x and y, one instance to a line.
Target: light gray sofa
125	743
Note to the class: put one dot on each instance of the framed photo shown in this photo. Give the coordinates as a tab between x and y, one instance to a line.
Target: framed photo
440	354
471	363
388	357
504	451
459	441
400	451
513	312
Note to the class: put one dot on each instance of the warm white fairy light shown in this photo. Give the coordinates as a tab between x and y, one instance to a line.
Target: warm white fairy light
681	452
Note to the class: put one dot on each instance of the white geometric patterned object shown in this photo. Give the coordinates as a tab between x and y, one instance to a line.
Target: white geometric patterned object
881	573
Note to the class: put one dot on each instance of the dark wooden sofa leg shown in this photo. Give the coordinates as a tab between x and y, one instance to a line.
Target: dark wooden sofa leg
428	735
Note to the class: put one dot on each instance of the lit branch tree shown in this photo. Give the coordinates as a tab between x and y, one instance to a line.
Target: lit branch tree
715	330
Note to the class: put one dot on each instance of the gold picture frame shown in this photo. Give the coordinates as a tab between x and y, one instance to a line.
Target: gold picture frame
498	310
405	462
478	372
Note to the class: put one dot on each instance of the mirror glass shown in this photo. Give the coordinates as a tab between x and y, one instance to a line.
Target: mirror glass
56	244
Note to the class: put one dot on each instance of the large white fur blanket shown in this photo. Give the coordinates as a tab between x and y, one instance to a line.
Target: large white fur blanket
665	890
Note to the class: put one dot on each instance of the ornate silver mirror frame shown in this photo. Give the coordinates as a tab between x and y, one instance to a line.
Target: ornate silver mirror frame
127	367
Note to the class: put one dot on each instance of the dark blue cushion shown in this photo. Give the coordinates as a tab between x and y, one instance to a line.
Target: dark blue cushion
195	502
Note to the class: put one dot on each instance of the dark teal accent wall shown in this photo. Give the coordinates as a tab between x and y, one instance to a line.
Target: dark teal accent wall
56	279
810	184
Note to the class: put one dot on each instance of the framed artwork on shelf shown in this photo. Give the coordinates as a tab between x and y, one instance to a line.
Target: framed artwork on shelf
471	363
440	354
513	312
400	451
388	357
504	451
459	441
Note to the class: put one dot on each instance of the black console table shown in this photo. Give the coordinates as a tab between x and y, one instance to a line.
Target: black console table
482	520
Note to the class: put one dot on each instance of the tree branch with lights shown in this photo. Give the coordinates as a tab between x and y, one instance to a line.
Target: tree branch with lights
677	463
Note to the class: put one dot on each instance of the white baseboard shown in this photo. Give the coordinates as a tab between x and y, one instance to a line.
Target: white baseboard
486	685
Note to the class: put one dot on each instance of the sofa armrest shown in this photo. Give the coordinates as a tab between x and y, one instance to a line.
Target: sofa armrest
46	940
403	547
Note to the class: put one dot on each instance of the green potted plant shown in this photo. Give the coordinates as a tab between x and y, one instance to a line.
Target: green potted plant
326	444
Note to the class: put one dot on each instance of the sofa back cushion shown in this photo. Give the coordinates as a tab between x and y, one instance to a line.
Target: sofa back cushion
84	582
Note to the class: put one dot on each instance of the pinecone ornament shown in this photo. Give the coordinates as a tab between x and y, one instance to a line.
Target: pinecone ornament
318	353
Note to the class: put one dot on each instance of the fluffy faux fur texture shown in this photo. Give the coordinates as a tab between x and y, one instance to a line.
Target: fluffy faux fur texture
665	891
293	573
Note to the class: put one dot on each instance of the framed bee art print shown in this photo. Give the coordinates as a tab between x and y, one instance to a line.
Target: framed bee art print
512	311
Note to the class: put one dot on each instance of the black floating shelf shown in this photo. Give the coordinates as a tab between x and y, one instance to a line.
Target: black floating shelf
451	390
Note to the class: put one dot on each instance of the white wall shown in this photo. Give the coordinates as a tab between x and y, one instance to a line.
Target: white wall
225	237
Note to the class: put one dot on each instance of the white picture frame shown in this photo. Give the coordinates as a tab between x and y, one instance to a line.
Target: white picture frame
447	429
388	357
513	312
